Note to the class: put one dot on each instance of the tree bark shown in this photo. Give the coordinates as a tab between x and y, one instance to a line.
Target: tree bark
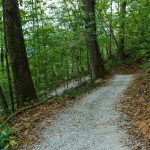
8	71
3	101
121	45
17	52
95	58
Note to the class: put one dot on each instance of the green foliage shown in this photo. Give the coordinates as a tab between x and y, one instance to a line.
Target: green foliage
113	63
110	64
55	39
147	65
6	139
55	55
144	53
1	110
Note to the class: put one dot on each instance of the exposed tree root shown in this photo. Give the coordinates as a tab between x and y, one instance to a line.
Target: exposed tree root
24	109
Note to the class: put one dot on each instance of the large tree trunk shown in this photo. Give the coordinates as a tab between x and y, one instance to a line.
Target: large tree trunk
3	101
16	48
121	45
96	61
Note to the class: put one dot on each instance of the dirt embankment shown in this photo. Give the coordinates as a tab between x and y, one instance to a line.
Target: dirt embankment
136	104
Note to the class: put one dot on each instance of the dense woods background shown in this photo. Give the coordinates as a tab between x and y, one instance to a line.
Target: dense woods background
46	43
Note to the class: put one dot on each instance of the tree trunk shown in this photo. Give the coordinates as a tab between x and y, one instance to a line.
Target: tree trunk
96	61
121	45
3	101
16	48
8	72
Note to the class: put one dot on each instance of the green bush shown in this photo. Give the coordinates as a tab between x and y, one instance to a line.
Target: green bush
147	65
6	139
112	63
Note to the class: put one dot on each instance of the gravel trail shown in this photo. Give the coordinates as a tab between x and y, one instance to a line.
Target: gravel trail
92	123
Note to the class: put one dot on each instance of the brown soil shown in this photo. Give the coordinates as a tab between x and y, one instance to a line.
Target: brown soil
136	104
129	68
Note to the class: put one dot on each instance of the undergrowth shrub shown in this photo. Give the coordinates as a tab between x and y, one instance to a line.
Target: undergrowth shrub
6	139
112	63
147	65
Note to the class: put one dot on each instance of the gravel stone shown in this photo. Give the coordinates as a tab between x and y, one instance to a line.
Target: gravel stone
92	123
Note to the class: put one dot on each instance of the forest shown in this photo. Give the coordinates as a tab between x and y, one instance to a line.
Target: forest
49	44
